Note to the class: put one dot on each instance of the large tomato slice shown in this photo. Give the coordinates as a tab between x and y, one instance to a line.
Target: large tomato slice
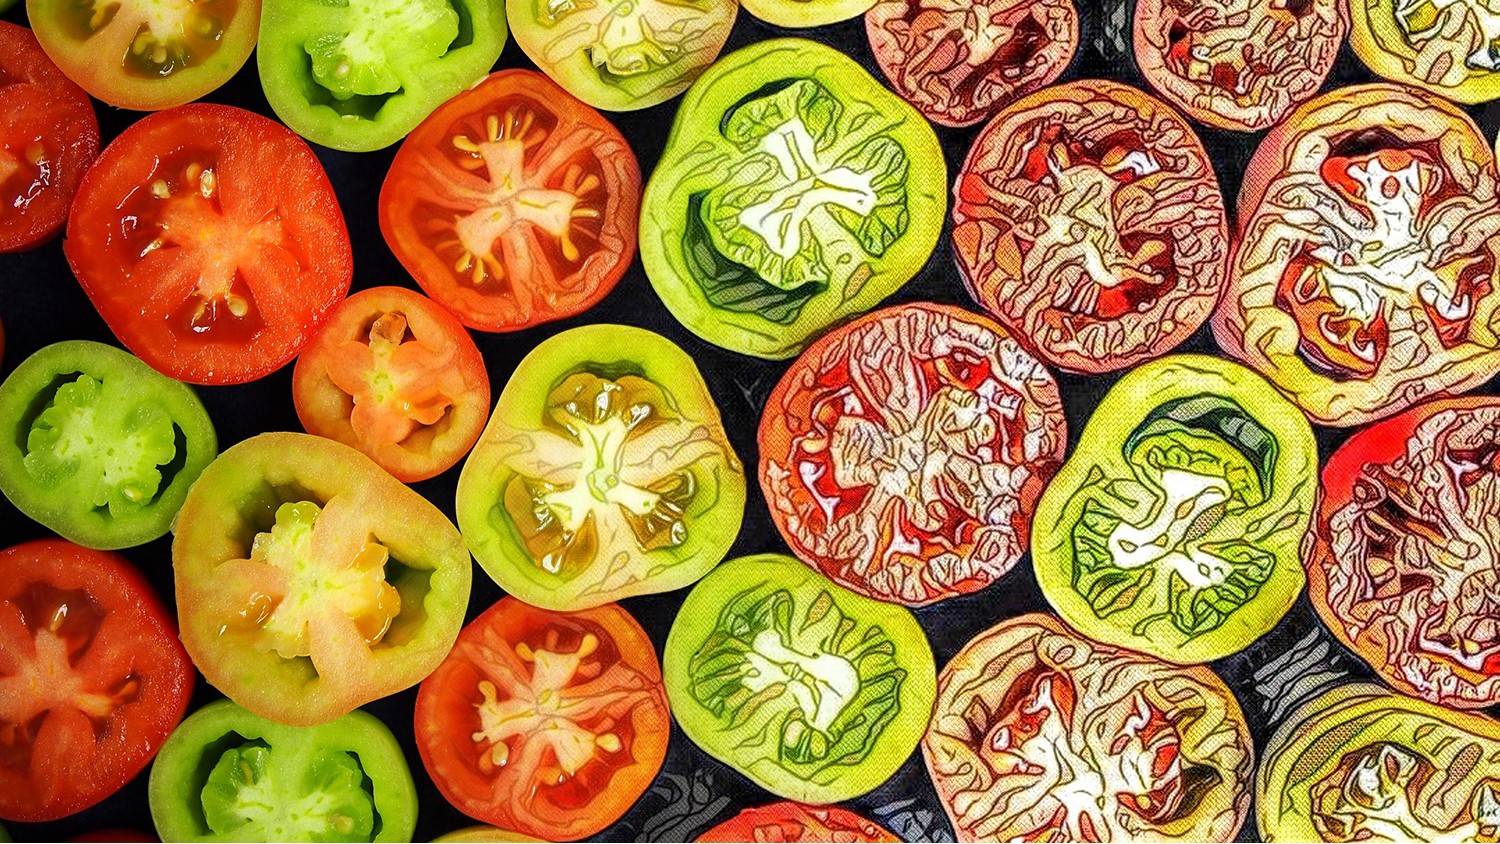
513	204
48	137
211	242
791	822
397	377
92	678
547	723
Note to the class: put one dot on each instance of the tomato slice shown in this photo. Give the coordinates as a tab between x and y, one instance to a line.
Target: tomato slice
211	241
147	54
547	723
48	137
795	822
513	204
396	376
92	678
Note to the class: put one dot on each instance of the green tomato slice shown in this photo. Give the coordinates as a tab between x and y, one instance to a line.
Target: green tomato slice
794	192
622	55
814	692
798	14
604	472
1175	528
358	75
253	796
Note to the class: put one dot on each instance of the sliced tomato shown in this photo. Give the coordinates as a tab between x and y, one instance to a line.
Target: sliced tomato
546	723
92	678
513	204
796	822
147	54
396	376
211	242
48	137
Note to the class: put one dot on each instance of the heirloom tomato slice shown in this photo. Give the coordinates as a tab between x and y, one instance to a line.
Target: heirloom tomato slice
1088	220
793	822
92	678
1041	734
48	138
1176	526
147	54
547	723
914	403
604	472
960	62
396	376
1407	560
210	240
1449	47
310	582
513	203
1238	64
815	693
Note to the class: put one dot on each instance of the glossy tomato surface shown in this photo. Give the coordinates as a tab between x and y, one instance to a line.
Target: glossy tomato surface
795	822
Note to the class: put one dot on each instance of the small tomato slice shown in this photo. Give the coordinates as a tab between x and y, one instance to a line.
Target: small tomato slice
48	138
513	204
550	724
396	376
211	241
791	822
1449	47
147	54
92	678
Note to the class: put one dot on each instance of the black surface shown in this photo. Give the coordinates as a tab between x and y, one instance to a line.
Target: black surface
41	303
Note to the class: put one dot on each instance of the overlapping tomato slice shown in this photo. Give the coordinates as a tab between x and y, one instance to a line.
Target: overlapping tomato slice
791	822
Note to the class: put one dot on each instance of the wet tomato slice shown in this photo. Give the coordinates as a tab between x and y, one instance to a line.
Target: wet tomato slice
48	137
903	453
92	678
1088	220
396	376
211	241
546	723
513	204
791	822
959	63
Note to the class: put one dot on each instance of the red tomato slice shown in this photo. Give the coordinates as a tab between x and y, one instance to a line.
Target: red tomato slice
92	678
211	242
547	723
513	204
48	137
396	376
796	822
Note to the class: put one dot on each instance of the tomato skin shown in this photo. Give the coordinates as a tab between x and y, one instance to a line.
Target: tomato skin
431	448
45	114
560	152
95	61
130	632
795	822
267	238
624	682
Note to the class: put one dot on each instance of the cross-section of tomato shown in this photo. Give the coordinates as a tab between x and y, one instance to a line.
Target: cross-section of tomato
92	678
397	377
147	54
791	822
513	204
902	454
546	723
1088	220
211	241
48	137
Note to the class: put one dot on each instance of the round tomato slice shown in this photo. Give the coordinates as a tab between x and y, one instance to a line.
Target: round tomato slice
396	376
147	54
798	14
795	822
1088	220
513	204
211	242
92	678
915	403
546	723
48	137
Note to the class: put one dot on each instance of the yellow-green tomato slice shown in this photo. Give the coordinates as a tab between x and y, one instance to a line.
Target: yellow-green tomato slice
800	14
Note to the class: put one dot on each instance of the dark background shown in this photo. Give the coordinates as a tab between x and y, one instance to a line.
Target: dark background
41	303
